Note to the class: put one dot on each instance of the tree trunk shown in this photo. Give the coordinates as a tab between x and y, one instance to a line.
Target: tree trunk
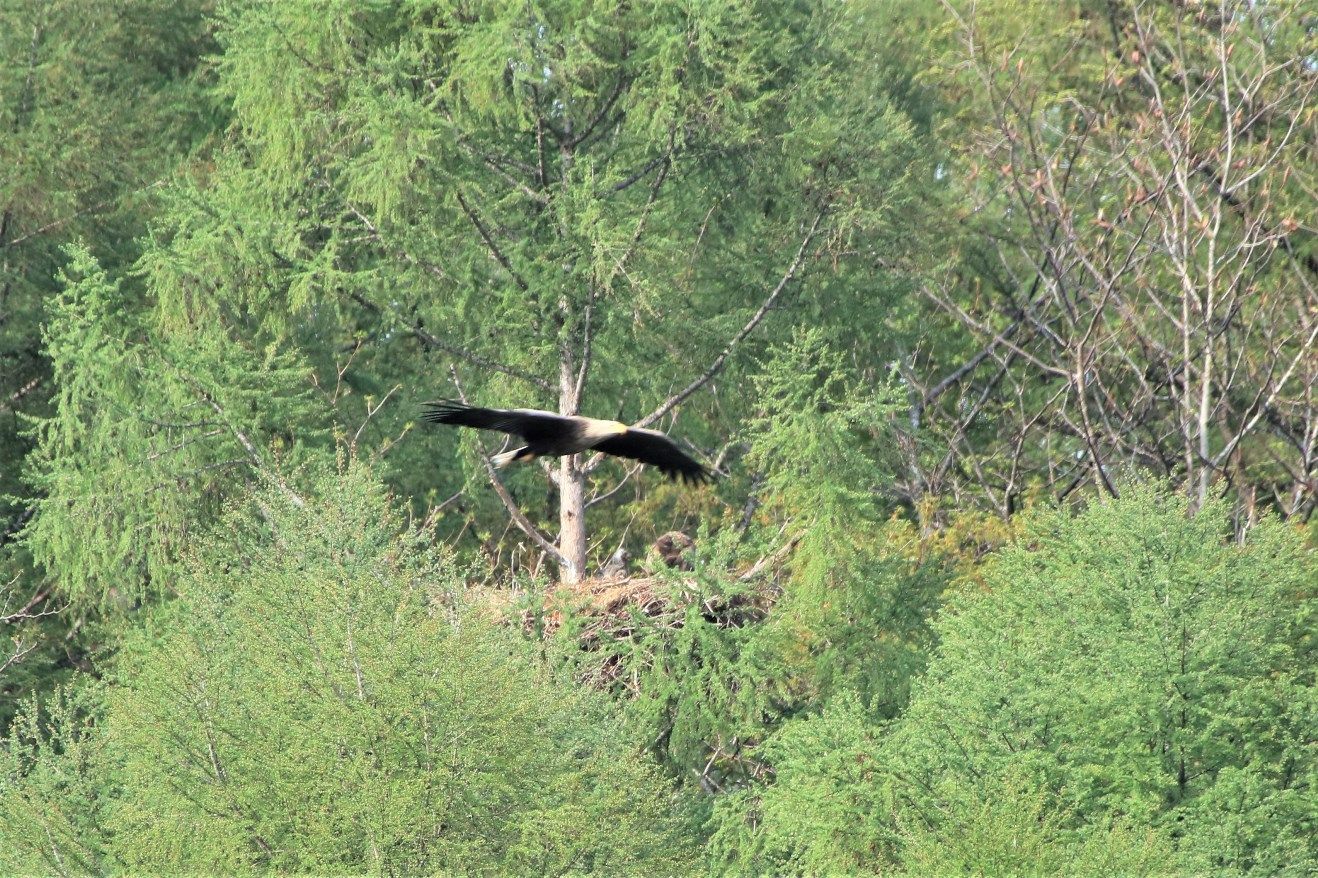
571	486
572	519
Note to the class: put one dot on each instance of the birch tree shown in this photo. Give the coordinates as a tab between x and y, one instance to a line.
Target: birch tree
1143	290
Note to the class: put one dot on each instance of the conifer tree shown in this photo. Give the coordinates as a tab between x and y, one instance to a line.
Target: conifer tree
1129	693
152	432
318	701
582	206
1134	662
99	103
810	595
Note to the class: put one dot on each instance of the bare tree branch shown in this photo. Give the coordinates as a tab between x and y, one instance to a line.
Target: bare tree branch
20	393
640	173
490	244
54	224
604	111
21	652
631	471
252	454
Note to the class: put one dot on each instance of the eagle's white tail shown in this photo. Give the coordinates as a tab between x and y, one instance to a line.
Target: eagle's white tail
507	457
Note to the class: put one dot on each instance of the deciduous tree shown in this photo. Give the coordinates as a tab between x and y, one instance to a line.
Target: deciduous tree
1140	276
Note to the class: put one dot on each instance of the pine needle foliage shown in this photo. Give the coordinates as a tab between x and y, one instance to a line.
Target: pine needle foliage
151	432
856	605
315	701
52	789
543	196
1129	694
98	105
1134	663
823	810
845	609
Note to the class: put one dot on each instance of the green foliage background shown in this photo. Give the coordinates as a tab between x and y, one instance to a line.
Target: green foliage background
258	621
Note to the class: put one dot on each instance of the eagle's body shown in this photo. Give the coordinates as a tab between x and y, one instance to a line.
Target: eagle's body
548	434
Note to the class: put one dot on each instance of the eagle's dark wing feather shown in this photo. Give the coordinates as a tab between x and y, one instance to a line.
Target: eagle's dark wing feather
656	449
531	424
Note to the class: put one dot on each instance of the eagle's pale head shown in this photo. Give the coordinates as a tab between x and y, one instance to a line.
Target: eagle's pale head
597	429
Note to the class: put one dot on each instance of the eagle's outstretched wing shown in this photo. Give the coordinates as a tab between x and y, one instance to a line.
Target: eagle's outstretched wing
531	424
656	449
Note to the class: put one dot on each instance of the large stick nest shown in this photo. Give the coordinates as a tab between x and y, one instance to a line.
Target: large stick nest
615	604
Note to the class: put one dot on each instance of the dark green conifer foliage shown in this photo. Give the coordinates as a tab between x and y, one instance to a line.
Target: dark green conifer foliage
1010	825
825	810
855	605
865	294
99	104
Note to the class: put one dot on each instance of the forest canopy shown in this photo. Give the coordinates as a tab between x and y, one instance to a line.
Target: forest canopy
995	324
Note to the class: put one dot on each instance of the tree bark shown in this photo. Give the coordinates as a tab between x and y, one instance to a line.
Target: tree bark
571	485
571	519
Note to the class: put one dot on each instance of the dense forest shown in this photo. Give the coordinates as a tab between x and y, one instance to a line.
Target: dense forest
996	322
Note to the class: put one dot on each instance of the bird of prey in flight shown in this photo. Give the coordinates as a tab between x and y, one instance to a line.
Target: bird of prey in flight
547	434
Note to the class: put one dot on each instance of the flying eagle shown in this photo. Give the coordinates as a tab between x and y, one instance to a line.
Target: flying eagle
550	435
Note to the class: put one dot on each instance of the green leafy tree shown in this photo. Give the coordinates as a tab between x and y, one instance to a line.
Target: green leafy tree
1010	826
1130	694
826	809
151	431
52	788
1133	663
855	604
835	806
315	701
569	201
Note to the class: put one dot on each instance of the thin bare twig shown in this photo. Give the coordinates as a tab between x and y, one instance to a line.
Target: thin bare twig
631	471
